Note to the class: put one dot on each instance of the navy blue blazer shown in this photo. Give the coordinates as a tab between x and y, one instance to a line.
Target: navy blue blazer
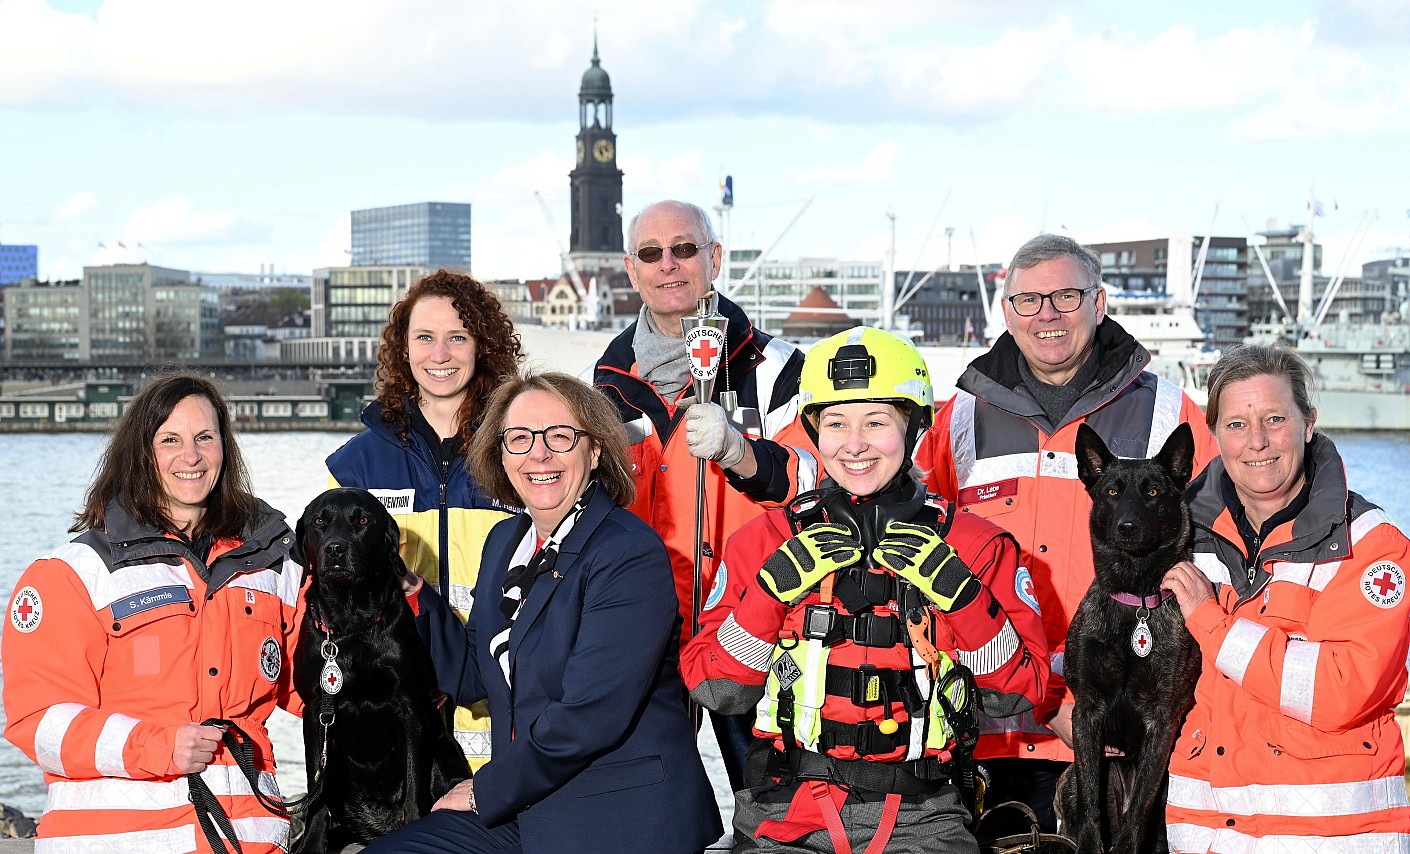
593	749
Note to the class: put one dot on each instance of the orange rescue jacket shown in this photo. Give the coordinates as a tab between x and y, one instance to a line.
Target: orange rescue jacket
993	452
115	640
1292	744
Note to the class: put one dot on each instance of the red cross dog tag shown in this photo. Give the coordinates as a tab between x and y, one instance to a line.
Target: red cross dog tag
331	678
1141	640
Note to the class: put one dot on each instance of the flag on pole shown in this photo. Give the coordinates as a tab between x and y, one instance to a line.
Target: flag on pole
727	192
1316	208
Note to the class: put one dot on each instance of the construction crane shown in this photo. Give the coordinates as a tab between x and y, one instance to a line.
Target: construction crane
587	294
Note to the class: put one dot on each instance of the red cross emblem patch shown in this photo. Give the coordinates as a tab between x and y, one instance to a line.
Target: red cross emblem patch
26	610
705	345
1383	584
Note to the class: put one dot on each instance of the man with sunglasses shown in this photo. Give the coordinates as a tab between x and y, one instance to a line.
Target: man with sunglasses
762	455
1002	448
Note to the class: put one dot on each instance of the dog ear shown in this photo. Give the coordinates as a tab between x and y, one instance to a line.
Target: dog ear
298	553
1178	454
1092	455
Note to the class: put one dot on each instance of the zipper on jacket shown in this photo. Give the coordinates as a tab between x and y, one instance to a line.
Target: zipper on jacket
443	556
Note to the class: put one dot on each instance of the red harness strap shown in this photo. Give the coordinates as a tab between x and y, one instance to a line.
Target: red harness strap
833	818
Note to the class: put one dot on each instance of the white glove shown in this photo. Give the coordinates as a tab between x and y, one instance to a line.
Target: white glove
710	436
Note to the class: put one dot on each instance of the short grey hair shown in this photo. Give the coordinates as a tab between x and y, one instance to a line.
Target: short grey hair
1046	247
702	222
1246	361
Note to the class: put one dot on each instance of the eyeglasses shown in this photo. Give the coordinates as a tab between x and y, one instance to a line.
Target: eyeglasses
1064	300
560	438
680	251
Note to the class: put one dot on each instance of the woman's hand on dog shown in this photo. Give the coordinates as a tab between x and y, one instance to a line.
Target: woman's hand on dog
460	798
1189	586
194	748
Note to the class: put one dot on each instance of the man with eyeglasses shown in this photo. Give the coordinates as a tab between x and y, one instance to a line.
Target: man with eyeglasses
1002	448
763	458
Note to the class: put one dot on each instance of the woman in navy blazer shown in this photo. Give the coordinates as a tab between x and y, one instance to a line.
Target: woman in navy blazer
573	639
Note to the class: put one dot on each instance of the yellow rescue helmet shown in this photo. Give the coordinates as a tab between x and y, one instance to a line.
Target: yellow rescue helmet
864	364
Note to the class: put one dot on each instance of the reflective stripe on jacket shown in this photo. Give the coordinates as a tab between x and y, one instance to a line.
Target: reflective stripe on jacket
993	451
1292	744
113	642
763	372
999	635
444	519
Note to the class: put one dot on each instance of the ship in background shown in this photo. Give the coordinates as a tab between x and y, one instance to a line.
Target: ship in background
1360	363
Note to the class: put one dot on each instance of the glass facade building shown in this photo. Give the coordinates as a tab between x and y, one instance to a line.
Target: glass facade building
18	263
353	302
428	234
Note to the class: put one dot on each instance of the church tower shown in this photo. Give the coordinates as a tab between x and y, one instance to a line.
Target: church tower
596	182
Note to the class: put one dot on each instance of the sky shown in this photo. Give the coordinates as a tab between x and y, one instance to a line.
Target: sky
236	137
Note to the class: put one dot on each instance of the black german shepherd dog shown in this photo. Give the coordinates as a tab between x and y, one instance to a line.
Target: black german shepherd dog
366	680
1130	662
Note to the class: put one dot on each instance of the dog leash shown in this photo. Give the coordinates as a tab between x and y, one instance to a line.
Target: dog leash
210	815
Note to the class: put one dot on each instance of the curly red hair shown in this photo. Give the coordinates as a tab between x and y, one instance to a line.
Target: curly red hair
497	349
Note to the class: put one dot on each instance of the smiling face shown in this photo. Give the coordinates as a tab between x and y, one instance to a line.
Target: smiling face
671	287
188	453
1054	344
862	444
548	482
1262	438
440	351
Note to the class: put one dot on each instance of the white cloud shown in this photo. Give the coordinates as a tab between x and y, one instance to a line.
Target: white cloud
446	59
875	167
77	207
175	221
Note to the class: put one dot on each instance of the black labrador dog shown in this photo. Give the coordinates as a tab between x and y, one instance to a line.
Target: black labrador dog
378	751
1130	662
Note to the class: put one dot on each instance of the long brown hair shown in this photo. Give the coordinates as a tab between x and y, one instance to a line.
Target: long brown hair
497	349
127	473
589	406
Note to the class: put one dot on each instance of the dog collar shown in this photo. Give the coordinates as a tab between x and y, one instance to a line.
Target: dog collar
1151	601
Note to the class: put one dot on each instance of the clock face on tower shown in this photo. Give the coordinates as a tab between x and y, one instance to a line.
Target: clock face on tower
602	150
581	153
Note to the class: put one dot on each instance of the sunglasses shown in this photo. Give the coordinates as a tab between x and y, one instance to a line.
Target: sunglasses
681	251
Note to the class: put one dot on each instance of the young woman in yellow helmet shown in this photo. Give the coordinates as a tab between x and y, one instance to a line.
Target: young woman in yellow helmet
868	626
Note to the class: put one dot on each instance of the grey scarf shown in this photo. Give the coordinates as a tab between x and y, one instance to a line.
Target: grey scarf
660	359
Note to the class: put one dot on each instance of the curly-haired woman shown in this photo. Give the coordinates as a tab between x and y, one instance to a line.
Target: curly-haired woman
447	344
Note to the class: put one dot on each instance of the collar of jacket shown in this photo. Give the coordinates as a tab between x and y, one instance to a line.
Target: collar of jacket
615	372
1319	533
265	538
994	376
746	348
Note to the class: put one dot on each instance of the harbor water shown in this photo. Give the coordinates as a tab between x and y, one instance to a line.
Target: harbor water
43	478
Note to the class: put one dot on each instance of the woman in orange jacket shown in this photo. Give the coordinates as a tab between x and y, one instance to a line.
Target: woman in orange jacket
1292	744
176	604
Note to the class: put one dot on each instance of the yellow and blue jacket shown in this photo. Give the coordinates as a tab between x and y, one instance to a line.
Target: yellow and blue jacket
444	518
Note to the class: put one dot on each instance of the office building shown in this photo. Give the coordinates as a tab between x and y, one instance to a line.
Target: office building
433	235
1162	274
348	308
119	313
18	263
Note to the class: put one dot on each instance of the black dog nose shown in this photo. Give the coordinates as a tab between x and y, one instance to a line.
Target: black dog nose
1127	528
335	548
